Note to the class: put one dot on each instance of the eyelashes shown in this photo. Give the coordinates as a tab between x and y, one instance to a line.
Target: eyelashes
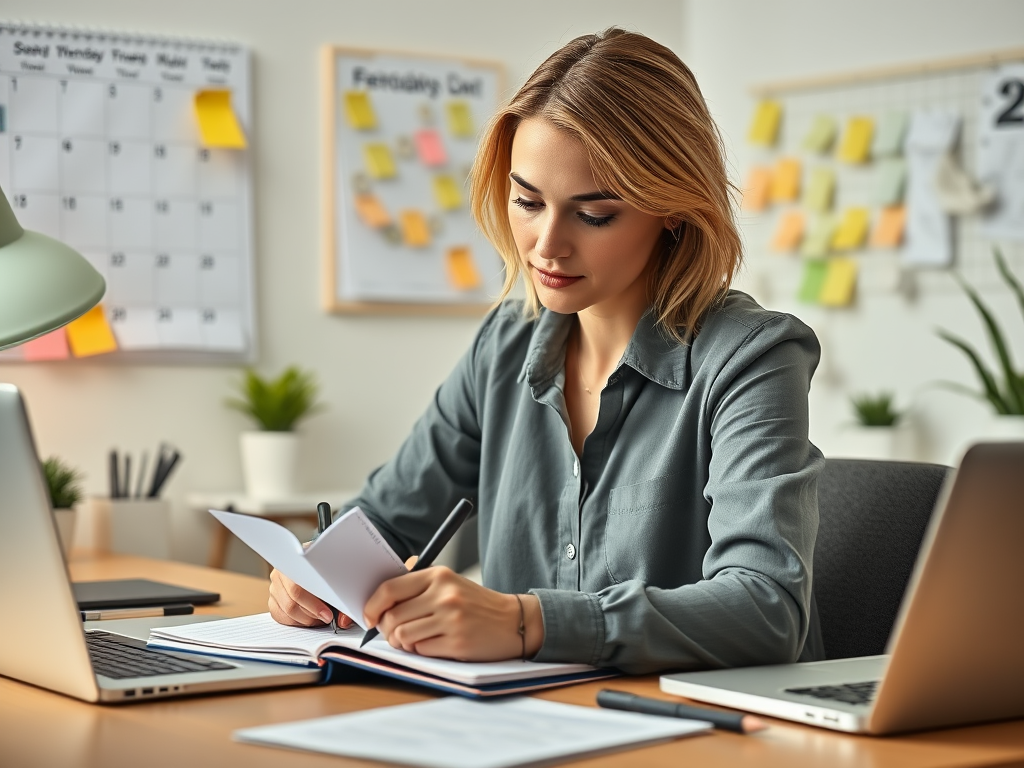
586	218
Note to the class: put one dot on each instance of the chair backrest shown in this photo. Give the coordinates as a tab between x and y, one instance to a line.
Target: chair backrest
873	518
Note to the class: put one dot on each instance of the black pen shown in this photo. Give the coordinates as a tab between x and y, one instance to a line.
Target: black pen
324	519
115	484
430	552
178	609
727	721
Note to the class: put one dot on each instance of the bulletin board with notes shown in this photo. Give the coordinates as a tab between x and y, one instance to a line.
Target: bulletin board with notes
132	149
401	133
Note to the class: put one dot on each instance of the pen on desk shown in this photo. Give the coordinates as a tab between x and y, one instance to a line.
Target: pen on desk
324	519
726	721
180	609
430	552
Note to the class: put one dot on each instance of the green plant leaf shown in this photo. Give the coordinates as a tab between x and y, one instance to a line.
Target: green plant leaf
62	482
991	391
277	405
1010	280
875	410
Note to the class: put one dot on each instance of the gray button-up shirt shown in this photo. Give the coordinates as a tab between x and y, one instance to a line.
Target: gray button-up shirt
681	538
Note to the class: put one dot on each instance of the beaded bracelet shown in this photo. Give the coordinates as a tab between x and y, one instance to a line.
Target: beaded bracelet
522	626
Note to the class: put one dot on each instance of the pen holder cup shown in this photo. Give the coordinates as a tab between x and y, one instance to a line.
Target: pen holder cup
138	526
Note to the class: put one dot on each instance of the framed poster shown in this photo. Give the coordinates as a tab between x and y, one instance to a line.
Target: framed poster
400	134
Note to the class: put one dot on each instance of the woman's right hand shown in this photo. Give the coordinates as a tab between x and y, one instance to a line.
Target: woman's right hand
292	605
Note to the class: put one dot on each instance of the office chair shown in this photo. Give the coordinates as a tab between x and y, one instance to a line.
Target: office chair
873	518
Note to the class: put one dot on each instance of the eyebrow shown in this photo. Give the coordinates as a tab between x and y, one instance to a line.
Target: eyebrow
587	197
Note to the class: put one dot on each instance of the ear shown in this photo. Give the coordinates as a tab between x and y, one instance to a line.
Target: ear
672	223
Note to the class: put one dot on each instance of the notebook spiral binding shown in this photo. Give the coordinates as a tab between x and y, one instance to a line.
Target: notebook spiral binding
78	32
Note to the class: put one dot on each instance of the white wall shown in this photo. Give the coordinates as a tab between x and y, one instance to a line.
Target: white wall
377	373
886	341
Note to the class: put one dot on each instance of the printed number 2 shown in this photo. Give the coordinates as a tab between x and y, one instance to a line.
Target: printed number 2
1014	113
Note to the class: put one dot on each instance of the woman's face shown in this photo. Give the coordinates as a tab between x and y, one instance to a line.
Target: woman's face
582	248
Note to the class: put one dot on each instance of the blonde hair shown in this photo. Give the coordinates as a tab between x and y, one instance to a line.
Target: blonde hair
640	115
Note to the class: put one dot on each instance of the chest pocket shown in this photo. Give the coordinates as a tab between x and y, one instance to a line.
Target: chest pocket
639	538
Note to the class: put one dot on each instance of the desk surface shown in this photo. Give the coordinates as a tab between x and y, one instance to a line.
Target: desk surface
39	728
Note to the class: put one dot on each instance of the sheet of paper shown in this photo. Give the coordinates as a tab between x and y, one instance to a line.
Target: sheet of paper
785	185
789	232
52	346
371	211
958	192
929	229
815	271
840	282
888	231
852	230
430	147
460	120
415	228
343	567
818	240
218	124
1001	151
764	128
90	334
454	732
821	134
892	129
462	271
447	193
359	110
820	189
890	180
856	143
379	161
755	192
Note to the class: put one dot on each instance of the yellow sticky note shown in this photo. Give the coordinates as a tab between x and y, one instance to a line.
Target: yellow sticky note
372	211
447	193
462	271
852	229
856	144
359	110
785	185
765	127
818	194
218	125
821	134
840	280
379	161
819	238
415	230
91	334
755	192
790	231
888	232
460	119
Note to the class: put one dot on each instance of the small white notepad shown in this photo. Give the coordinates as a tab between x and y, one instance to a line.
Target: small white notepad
458	733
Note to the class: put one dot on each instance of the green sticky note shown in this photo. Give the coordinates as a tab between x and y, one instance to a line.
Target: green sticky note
819	238
891	131
818	194
815	272
890	179
821	134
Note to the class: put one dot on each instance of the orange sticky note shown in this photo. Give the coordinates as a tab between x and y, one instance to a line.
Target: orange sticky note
218	125
888	232
462	271
52	346
852	229
765	126
430	147
840	280
379	161
90	334
755	193
790	231
785	186
372	211
415	229
359	110
857	140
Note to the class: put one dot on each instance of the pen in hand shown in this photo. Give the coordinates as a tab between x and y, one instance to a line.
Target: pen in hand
430	552
324	519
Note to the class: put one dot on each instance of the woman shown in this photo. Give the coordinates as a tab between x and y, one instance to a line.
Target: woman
634	433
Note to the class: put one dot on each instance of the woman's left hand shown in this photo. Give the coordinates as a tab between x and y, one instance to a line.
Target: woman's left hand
436	612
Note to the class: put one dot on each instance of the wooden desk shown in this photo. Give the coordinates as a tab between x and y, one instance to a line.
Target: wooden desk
39	728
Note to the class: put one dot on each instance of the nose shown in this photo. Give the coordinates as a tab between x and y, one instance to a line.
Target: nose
551	240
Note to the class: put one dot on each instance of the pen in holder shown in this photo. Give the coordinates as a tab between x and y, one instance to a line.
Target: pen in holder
135	526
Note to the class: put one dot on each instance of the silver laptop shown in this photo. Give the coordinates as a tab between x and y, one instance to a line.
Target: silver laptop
956	652
44	641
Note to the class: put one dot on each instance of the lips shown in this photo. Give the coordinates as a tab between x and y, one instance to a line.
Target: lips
555	279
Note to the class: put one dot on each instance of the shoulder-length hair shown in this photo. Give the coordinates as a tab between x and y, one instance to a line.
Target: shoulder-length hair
640	115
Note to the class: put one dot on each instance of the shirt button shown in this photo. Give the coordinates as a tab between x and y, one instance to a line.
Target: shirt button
575	467
570	551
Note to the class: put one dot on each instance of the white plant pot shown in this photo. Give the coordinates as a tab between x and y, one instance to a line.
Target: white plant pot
66	527
884	443
269	464
1006	428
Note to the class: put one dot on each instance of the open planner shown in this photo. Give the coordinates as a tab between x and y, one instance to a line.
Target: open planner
260	637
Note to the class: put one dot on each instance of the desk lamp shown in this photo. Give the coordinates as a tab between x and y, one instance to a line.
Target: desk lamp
44	284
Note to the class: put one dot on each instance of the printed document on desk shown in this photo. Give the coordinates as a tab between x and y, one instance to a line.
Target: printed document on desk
456	733
343	567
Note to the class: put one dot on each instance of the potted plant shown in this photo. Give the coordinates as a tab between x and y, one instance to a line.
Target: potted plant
875	433
64	485
1003	386
276	405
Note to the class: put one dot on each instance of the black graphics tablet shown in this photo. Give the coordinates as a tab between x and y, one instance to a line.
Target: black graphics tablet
135	593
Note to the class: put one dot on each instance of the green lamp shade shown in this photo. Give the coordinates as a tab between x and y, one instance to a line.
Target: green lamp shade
44	284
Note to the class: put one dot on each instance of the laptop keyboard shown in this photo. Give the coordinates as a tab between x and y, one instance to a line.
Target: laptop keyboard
113	657
850	693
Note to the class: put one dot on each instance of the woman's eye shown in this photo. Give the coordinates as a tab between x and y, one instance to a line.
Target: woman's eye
526	205
594	221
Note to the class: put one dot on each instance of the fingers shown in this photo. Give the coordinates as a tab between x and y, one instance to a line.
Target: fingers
407	636
411	561
394	591
292	605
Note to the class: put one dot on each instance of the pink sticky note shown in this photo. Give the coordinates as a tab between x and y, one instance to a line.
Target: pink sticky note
428	144
52	346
